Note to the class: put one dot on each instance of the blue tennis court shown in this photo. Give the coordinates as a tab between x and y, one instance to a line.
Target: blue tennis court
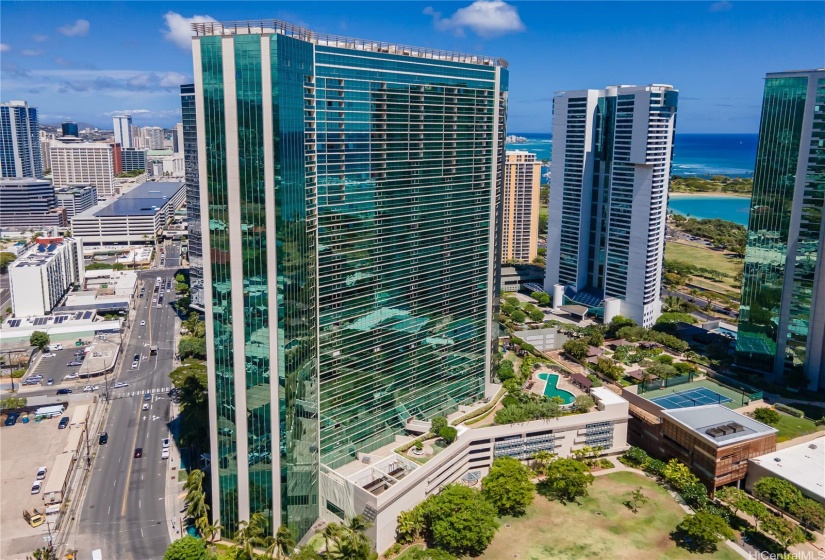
691	397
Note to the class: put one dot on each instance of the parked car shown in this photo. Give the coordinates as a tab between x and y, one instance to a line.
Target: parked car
165	443
63	422
137	357
64	391
11	419
50	381
135	364
119	385
143	323
54	347
49	355
165	453
41	473
138	452
90	388
104	437
36	485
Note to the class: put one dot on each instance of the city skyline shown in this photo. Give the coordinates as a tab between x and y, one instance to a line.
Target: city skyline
75	57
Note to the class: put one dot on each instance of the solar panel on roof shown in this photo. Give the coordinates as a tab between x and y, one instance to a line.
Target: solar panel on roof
60	319
14	323
79	315
87	315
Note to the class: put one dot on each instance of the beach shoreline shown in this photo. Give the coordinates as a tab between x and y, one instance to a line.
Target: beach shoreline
681	194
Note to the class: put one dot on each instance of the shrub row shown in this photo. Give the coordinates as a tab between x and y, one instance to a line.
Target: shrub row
481	411
789	410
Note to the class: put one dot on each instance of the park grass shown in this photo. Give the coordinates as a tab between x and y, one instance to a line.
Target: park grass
550	530
408	551
705	257
791	427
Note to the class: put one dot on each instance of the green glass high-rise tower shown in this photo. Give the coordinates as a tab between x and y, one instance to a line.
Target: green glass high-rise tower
351	192
782	318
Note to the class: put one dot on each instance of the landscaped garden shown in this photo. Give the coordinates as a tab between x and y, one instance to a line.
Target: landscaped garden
598	526
791	427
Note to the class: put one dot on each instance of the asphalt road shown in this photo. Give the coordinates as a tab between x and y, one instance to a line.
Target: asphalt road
123	512
5	293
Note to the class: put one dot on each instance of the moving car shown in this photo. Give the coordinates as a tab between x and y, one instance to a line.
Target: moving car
119	385
36	485
11	419
71	376
63	422
147	396
74	363
138	452
143	323
104	437
146	406
64	391
41	473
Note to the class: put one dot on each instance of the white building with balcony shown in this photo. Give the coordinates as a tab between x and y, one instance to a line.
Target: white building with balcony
42	276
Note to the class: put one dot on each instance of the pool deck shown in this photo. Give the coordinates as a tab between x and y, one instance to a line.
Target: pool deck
563	384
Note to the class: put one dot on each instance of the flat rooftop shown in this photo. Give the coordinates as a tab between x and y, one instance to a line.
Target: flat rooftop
143	200
718	425
803	465
40	253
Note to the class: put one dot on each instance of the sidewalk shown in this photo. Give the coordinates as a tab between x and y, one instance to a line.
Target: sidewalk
174	495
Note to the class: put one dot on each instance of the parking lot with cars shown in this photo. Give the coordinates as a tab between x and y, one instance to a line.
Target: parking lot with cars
29	448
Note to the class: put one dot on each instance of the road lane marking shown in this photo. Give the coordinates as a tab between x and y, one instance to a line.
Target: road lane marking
129	472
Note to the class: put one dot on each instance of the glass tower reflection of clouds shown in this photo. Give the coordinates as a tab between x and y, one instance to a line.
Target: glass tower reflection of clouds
351	192
782	318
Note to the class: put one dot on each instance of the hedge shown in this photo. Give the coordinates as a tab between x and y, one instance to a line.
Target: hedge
789	410
480	411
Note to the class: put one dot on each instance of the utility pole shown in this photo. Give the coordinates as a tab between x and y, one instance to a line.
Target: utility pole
51	543
88	447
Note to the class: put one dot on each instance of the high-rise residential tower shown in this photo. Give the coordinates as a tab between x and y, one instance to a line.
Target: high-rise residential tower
782	317
123	131
19	141
88	163
520	207
153	137
612	150
70	129
351	191
188	131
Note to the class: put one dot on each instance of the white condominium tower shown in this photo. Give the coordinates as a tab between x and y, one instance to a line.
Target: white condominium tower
123	130
612	150
520	206
87	163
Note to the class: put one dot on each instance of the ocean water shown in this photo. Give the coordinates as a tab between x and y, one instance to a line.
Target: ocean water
730	208
696	155
693	154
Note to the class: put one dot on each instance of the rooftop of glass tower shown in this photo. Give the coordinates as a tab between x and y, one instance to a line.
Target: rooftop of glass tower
325	39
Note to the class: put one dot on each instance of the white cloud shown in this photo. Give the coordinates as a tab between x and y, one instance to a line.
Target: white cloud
40	38
486	18
4	47
32	52
77	29
147	113
722	6
179	29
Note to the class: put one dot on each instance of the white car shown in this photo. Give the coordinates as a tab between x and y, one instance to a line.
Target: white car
36	485
90	388
154	299
165	443
146	406
119	385
71	376
143	323
41	473
165	453
135	364
49	355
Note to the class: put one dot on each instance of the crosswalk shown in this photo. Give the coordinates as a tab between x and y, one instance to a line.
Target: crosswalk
141	393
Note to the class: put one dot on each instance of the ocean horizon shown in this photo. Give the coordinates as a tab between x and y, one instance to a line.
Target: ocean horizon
694	155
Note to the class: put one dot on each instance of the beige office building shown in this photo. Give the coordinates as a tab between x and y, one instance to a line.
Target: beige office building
87	163
520	208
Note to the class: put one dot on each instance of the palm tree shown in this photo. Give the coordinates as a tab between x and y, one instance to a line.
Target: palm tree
251	533
281	545
206	530
331	533
196	504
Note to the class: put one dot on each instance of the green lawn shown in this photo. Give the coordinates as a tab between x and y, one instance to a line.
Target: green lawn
551	531
706	258
792	427
406	553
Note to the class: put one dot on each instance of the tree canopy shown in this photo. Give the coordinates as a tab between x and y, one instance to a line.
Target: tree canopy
702	531
187	548
39	339
508	486
565	480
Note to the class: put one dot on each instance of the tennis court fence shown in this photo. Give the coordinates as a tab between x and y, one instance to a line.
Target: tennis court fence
752	393
664	383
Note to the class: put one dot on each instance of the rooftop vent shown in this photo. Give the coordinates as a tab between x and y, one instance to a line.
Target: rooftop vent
812	446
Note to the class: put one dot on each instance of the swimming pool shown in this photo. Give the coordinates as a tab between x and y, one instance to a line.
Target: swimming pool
550	389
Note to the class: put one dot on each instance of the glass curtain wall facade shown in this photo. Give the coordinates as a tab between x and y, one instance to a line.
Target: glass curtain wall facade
352	203
19	141
782	317
193	197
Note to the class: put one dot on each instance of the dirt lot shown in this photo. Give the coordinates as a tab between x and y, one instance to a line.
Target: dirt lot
24	448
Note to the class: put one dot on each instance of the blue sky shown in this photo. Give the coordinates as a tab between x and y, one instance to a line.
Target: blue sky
88	60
